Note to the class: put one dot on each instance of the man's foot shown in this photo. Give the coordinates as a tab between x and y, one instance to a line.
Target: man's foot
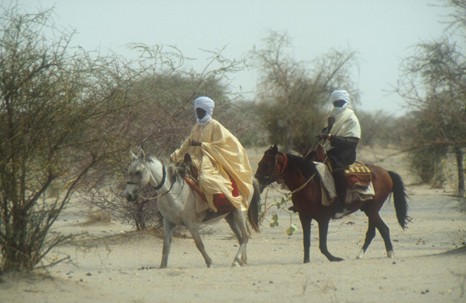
339	210
338	215
341	213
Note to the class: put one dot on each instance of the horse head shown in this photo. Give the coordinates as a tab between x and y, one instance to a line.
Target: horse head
139	175
270	167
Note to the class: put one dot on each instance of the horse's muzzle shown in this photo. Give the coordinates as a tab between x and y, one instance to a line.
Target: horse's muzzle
262	187
263	182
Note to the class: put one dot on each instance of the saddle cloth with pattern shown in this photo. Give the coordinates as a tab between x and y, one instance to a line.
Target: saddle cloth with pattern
358	175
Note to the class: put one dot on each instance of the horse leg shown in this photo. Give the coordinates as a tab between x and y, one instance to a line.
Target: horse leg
306	225
236	221
385	233
168	228
234	227
375	221
323	232
194	230
370	234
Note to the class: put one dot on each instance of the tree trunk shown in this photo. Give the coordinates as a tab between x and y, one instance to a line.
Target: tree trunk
460	164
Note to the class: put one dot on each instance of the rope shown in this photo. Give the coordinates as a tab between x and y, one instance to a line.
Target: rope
285	164
300	188
303	185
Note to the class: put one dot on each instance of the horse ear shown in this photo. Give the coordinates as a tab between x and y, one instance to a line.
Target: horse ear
275	148
142	155
133	156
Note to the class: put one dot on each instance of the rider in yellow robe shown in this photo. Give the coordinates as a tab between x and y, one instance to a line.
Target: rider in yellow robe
219	157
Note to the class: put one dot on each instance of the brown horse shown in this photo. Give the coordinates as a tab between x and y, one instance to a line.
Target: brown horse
301	178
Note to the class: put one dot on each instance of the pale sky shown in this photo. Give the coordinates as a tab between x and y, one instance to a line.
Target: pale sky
381	32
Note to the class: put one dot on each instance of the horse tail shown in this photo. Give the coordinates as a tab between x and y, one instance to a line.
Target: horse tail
400	199
254	207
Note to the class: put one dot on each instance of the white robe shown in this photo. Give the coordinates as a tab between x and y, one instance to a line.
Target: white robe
346	125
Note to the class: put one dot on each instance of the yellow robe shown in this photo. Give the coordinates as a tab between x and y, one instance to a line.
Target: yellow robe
220	155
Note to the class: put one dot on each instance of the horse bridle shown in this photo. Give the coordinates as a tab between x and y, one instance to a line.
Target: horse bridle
164	176
271	178
282	172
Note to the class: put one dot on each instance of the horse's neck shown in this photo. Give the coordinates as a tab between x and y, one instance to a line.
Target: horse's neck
157	171
170	182
295	179
175	192
291	182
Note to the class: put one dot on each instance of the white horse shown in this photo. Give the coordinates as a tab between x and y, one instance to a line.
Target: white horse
176	201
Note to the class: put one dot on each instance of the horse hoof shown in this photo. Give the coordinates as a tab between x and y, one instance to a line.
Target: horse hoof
361	255
390	254
336	259
236	264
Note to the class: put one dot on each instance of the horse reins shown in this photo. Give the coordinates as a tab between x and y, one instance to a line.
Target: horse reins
303	186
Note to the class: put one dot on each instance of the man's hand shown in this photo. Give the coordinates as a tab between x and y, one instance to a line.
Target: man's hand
330	121
324	136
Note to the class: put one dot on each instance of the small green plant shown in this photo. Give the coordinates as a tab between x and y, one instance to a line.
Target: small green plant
292	229
279	204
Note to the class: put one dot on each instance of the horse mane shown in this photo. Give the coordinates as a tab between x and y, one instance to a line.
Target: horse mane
300	164
174	172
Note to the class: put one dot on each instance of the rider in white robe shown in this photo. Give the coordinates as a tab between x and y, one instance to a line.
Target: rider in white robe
345	133
341	139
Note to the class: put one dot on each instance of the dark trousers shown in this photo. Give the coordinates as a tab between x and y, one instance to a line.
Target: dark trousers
340	187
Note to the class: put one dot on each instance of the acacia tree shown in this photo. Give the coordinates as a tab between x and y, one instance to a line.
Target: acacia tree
433	84
458	16
374	134
294	98
58	114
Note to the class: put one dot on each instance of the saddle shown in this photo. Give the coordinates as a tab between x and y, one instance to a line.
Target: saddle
191	176
358	175
195	186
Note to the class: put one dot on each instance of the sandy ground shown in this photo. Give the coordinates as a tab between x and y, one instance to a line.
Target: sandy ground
109	262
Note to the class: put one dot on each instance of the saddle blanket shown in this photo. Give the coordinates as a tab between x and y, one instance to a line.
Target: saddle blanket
359	194
328	187
358	175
